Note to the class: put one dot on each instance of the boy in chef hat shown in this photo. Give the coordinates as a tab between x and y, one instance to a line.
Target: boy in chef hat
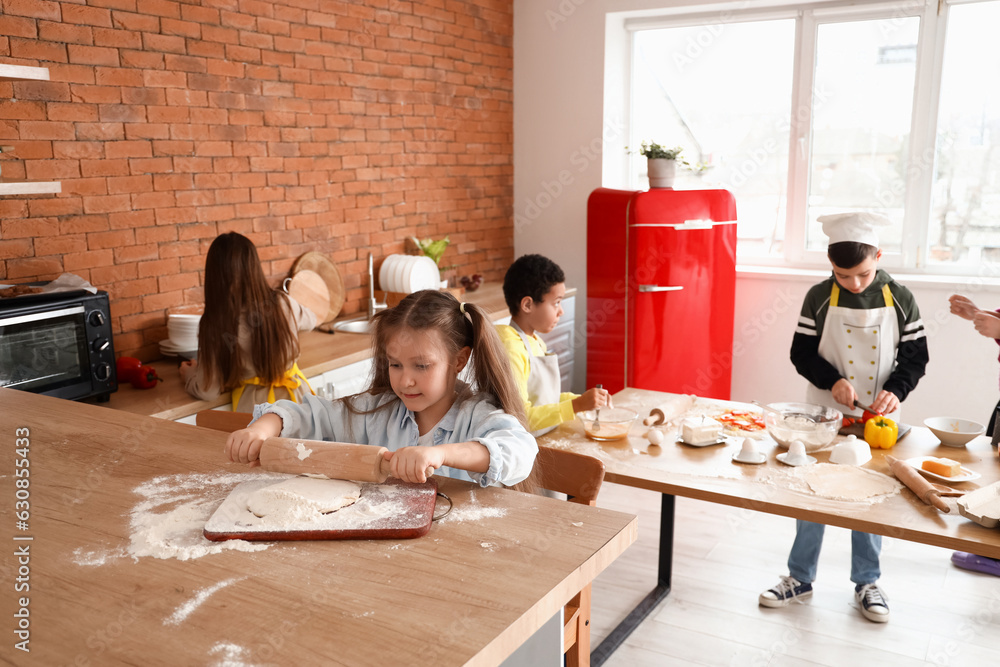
859	338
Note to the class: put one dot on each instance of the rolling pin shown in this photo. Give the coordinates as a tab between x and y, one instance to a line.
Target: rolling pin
908	475
336	460
668	410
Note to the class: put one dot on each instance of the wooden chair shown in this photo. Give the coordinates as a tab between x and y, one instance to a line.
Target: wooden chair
580	478
222	420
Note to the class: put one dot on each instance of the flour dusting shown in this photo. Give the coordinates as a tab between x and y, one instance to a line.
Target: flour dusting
232	655
185	609
169	522
93	558
303	451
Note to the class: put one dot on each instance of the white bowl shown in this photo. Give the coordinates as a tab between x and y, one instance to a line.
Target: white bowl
851	452
954	432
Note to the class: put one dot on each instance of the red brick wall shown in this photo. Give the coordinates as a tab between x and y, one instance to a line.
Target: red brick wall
341	127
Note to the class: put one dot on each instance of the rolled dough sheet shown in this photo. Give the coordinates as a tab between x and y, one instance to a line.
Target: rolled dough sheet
839	482
300	497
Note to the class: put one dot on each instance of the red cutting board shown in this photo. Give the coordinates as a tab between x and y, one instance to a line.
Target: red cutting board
391	510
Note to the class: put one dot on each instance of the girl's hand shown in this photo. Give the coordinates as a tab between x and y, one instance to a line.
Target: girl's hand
987	324
843	392
885	403
592	399
414	464
187	369
962	306
243	446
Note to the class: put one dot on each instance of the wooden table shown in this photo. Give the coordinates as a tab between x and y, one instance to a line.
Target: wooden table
468	592
708	473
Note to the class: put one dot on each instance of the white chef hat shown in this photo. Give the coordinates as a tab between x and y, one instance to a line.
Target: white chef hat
857	227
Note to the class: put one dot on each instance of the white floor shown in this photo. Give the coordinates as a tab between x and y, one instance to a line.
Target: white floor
725	557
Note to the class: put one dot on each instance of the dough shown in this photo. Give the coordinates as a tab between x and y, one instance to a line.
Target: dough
848	483
301	497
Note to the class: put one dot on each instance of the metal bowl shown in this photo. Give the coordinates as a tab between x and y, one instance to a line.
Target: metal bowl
614	423
814	425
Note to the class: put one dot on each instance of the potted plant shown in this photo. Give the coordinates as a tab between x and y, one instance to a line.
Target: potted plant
661	163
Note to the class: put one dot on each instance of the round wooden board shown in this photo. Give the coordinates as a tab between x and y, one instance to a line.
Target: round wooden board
310	290
327	270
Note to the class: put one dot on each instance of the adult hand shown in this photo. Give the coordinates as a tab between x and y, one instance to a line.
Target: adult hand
962	306
987	324
843	392
885	403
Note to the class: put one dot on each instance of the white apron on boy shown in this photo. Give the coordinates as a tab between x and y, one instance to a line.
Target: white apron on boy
544	380
852	340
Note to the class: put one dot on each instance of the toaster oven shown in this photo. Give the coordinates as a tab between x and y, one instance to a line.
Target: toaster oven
58	344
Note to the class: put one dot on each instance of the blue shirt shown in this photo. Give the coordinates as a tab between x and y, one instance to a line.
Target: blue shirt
473	417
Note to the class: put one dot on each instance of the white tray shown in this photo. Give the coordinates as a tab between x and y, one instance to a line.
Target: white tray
966	476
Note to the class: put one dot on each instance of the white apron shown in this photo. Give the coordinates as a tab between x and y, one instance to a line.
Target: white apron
853	340
544	381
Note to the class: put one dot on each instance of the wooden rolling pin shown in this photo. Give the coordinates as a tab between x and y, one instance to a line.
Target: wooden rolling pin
336	460
668	410
908	475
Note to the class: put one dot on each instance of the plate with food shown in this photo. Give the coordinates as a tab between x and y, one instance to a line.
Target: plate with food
944	465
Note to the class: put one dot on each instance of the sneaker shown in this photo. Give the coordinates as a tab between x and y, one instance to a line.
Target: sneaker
789	589
874	603
983	564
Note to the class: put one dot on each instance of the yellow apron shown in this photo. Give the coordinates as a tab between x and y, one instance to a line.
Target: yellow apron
291	380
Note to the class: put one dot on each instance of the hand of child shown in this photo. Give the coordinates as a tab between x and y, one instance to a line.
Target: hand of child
187	369
843	392
987	324
885	403
243	446
414	464
592	399
962	306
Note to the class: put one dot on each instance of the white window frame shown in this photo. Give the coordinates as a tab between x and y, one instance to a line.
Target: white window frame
810	15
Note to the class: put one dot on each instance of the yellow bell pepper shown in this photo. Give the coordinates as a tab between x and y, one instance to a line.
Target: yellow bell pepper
881	432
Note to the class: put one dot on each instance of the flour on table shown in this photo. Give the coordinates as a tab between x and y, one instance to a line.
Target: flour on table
185	609
231	655
302	497
838	482
303	451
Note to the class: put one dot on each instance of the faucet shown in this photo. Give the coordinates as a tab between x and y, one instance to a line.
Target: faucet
373	305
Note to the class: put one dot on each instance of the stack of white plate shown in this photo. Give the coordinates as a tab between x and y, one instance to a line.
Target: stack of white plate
408	273
182	334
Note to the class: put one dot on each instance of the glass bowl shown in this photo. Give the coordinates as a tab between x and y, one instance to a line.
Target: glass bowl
614	423
815	425
954	432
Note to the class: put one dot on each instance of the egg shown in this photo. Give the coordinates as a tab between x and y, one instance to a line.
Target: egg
655	436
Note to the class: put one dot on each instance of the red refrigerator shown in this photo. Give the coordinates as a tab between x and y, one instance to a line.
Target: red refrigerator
661	289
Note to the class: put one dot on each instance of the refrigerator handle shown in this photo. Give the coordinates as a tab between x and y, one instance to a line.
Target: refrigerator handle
660	288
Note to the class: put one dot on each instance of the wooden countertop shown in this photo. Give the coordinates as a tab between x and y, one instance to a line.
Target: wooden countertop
708	473
468	592
320	352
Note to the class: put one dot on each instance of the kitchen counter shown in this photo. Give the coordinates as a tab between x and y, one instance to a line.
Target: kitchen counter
470	591
320	352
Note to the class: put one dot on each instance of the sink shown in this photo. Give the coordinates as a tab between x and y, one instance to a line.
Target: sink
353	326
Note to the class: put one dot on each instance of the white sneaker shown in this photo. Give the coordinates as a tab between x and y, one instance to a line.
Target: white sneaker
789	589
874	603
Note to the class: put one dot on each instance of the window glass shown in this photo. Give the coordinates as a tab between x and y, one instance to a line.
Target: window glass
862	105
722	92
964	225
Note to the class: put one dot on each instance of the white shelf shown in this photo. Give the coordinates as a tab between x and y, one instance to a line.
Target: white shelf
30	187
23	73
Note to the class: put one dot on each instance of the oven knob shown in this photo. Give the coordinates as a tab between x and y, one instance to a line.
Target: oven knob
102	372
100	344
96	318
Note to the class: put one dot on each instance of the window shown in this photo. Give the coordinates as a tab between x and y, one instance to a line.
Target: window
803	112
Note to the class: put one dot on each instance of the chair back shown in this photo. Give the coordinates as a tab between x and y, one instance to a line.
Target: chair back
577	475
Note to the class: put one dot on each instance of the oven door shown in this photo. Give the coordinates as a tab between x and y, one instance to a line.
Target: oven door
46	352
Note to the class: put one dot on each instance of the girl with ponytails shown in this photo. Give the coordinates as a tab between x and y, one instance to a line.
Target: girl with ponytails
416	405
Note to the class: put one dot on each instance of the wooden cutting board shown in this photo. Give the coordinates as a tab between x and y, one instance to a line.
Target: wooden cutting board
328	271
391	510
310	290
858	430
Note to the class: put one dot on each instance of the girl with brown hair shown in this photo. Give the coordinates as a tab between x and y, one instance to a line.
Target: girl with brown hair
416	406
248	337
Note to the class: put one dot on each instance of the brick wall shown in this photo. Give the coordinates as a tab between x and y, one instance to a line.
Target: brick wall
341	127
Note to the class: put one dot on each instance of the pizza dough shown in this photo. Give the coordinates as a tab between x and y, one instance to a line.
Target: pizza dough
302	497
848	482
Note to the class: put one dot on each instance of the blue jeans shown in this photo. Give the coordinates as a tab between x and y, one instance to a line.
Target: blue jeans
802	560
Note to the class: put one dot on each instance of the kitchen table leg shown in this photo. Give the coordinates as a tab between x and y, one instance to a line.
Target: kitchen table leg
654	597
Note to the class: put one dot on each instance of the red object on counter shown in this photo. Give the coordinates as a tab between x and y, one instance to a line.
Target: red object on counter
661	290
126	368
145	378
